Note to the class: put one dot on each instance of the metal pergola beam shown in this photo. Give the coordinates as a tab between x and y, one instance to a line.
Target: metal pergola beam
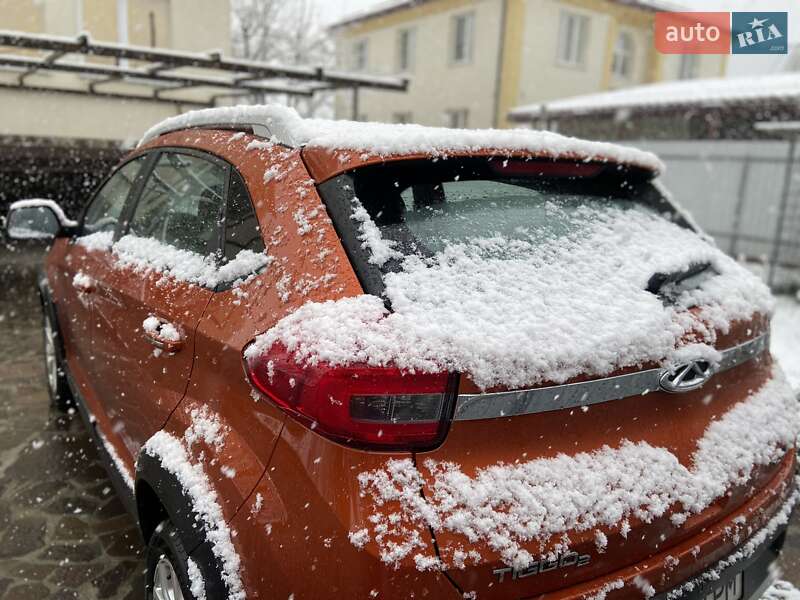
102	94
115	74
170	59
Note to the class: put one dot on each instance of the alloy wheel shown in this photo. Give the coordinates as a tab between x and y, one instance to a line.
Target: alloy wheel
165	581
50	358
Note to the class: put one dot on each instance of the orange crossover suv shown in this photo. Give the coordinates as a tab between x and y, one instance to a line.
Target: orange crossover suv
354	360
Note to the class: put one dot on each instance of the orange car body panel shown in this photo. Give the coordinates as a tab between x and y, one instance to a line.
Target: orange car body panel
295	496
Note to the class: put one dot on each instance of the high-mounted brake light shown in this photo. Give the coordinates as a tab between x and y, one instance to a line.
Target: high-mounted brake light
380	407
539	168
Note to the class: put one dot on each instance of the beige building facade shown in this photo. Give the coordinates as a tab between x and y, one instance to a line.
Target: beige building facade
470	61
192	25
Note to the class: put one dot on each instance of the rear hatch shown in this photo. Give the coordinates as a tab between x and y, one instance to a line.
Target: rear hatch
569	296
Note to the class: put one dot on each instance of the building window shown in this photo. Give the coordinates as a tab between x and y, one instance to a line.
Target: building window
573	31
406	39
688	67
463	34
456	118
622	64
359	55
402	117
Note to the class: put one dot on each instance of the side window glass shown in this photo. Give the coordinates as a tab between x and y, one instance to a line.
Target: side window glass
181	203
241	225
106	207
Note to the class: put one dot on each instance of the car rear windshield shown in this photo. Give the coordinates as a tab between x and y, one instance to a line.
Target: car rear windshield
424	205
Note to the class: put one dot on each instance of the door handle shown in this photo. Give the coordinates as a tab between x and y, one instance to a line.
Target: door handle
83	283
161	334
169	346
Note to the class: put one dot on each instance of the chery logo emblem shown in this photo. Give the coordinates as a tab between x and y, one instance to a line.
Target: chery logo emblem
687	377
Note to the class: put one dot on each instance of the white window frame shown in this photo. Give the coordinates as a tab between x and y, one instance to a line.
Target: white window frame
457	118
689	66
623	59
406	51
459	55
573	38
360	55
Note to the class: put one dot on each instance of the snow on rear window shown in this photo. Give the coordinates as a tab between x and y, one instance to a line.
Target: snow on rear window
380	249
517	312
507	506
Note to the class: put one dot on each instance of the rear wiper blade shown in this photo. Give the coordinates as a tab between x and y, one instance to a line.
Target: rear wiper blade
668	286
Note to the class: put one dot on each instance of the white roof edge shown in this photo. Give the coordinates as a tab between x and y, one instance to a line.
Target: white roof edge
778	126
664	93
284	125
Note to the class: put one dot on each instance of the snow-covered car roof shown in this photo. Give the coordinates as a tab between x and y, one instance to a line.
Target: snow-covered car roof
285	126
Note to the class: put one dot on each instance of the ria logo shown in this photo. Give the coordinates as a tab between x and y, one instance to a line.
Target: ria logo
759	33
721	32
565	561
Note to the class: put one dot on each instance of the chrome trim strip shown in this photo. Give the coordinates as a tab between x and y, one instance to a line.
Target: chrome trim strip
470	407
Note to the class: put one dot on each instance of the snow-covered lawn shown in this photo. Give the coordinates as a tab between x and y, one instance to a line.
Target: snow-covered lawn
786	337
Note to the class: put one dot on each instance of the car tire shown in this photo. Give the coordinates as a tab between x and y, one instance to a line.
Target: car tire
55	375
167	575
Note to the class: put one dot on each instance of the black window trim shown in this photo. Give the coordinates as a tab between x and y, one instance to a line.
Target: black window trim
143	171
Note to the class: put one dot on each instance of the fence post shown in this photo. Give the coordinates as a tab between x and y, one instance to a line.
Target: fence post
787	184
737	213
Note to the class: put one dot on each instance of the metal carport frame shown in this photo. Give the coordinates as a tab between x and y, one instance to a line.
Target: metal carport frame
157	70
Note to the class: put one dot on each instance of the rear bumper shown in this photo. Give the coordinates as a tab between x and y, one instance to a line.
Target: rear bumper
746	541
755	573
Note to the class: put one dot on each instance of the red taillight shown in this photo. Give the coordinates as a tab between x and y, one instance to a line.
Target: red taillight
381	407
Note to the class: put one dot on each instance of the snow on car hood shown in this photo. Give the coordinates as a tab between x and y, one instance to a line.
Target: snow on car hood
515	313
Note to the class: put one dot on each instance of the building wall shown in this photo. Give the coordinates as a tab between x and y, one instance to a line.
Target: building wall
526	32
195	25
436	83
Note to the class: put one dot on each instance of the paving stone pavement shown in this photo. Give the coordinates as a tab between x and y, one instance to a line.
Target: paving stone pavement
63	532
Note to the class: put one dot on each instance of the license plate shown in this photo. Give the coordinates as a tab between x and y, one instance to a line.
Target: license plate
730	591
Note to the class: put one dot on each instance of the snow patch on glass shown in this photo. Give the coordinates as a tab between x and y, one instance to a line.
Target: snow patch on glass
380	249
516	313
145	255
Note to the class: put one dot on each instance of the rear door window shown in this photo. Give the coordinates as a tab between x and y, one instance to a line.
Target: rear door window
182	203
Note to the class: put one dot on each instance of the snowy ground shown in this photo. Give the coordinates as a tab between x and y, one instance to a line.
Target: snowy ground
786	337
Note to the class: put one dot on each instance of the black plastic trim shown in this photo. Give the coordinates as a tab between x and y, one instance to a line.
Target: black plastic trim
125	494
178	505
337	195
755	569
